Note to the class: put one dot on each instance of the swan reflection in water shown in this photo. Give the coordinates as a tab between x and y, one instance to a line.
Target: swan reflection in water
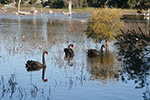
36	66
43	75
69	60
103	67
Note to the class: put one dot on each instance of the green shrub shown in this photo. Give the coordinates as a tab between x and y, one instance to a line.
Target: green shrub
104	24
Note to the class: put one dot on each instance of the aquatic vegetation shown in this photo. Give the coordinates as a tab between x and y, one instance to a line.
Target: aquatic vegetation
9	88
134	53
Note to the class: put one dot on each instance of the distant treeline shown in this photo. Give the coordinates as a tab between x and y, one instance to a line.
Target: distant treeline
137	4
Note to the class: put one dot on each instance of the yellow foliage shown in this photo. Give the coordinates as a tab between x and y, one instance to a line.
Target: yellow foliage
104	24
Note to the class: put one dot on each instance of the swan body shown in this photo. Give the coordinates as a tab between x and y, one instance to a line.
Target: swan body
34	65
68	51
93	52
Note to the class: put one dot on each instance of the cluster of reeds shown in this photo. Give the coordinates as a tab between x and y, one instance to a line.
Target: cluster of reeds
10	88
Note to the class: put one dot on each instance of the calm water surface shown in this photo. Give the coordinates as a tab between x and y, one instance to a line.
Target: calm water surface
80	78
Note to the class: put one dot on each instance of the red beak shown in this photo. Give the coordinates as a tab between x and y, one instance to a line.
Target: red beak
47	53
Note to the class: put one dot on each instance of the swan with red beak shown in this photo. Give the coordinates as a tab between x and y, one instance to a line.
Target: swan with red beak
68	51
35	65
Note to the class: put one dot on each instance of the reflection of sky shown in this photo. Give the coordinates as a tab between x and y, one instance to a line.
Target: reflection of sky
54	35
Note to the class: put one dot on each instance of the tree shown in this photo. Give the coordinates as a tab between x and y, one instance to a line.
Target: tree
55	3
76	3
143	4
104	24
32	1
96	3
6	1
131	3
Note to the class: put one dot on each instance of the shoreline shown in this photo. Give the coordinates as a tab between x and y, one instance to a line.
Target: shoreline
26	11
12	11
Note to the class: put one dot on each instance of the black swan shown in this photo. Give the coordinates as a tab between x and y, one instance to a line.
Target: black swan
68	51
34	65
93	52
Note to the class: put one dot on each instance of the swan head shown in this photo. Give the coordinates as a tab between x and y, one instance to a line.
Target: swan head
72	46
103	47
46	52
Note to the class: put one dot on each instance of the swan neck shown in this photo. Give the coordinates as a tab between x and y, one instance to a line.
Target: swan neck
43	58
101	50
69	47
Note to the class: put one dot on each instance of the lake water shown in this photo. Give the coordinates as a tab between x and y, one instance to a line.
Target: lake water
80	78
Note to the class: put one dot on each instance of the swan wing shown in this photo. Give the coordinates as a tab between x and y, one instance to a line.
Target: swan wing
92	52
33	64
69	52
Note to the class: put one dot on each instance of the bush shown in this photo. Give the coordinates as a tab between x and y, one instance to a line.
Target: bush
104	24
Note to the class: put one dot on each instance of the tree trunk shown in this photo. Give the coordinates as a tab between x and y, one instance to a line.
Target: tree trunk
107	45
19	5
69	7
105	4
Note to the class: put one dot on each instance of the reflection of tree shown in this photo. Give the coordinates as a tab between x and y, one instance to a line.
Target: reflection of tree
133	52
23	38
103	67
135	25
62	31
26	37
146	94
